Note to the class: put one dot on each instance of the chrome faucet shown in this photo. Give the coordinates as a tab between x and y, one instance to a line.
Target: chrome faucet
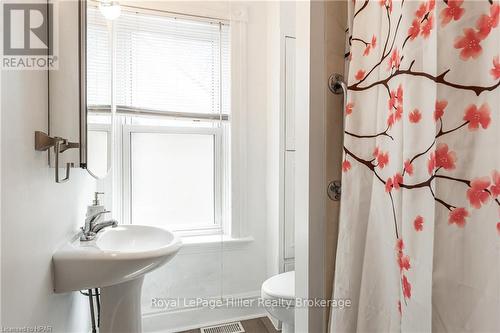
91	227
101	225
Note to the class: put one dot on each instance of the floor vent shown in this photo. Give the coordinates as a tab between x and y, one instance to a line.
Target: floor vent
235	327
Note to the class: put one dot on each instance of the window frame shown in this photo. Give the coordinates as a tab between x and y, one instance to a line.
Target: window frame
222	153
216	132
235	223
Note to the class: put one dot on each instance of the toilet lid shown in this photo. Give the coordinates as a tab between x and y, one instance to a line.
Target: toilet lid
280	286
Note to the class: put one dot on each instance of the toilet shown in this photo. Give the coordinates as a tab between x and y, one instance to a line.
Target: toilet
278	295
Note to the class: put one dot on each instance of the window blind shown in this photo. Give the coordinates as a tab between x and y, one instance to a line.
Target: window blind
172	64
98	59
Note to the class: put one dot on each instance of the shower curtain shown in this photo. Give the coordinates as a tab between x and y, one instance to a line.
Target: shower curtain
419	235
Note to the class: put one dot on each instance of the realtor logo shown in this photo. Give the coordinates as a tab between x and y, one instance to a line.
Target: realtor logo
28	36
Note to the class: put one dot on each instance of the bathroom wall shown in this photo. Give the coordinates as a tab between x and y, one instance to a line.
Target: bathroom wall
335	25
281	24
302	168
37	215
274	132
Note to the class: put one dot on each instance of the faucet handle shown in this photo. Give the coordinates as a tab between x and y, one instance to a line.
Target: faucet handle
86	236
90	220
99	214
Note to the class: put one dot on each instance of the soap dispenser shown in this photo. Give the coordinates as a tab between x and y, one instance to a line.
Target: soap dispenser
96	206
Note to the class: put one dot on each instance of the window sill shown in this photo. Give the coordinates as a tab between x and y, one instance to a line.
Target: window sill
213	243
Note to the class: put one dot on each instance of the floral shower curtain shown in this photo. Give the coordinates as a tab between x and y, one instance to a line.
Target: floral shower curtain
419	239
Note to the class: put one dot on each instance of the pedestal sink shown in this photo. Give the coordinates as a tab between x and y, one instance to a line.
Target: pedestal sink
115	261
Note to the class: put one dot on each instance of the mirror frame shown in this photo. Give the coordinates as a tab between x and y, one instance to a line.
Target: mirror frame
82	87
82	61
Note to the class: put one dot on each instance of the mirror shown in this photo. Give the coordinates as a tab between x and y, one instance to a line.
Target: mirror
64	82
96	90
80	88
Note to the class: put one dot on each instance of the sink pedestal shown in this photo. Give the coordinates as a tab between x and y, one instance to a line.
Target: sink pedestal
112	259
121	307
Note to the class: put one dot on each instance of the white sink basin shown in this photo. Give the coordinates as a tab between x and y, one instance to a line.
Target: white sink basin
137	240
115	261
116	255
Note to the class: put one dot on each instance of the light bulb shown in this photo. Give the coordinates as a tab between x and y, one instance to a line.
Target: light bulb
110	9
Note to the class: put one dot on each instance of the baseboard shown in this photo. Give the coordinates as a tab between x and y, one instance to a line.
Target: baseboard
194	317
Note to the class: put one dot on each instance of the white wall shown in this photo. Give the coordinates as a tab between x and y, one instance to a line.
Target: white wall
274	132
280	160
37	214
302	164
242	269
311	182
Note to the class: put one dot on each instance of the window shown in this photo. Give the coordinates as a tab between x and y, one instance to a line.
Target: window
172	114
99	55
186	169
171	64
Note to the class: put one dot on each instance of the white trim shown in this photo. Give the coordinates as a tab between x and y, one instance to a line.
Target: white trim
126	175
251	295
117	171
218	178
310	211
213	243
302	255
219	12
186	12
137	111
174	15
99	127
117	162
282	151
239	224
287	149
187	318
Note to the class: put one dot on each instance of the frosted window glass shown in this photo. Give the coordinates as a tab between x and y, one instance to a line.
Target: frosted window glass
172	180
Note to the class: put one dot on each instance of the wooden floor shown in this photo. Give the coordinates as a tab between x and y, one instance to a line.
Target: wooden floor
257	325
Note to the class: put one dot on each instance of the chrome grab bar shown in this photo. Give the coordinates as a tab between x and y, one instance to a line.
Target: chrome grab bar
337	86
